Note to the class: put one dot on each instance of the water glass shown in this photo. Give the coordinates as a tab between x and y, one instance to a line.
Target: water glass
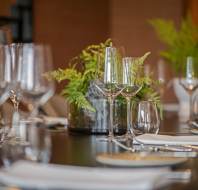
38	140
34	145
147	118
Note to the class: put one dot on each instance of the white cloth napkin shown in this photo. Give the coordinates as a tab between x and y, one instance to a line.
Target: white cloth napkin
48	120
168	140
34	175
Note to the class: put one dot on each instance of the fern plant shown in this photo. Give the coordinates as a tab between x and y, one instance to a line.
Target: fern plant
78	80
181	43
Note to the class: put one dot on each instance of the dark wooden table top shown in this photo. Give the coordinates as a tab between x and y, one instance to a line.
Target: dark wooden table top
81	150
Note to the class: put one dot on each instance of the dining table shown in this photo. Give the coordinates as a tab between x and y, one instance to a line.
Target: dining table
80	149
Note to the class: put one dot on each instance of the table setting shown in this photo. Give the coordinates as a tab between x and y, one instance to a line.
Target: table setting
128	146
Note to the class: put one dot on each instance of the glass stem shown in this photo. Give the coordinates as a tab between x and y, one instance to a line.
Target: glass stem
111	101
128	116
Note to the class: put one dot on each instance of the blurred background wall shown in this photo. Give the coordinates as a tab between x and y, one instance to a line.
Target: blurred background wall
70	25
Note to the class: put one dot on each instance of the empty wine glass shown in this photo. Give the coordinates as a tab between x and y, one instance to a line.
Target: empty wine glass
130	88
35	87
107	81
189	83
146	118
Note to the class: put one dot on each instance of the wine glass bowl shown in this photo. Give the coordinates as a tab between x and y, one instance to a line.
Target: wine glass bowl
130	91
35	87
108	89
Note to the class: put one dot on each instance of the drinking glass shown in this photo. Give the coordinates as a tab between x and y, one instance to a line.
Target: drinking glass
107	81
146	118
130	88
35	87
189	83
36	145
38	140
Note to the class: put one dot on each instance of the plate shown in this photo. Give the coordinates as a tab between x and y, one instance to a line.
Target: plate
138	160
31	175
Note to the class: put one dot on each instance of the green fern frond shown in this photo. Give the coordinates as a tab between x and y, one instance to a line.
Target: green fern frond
181	42
165	30
78	80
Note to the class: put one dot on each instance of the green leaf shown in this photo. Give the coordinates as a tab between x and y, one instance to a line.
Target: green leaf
181	42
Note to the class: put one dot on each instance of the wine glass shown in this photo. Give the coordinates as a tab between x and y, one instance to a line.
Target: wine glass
130	88
35	87
107	81
189	83
146	119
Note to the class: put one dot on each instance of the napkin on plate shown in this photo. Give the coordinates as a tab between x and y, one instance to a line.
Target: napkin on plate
50	176
167	139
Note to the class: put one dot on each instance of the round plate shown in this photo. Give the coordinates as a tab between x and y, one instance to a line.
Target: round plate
138	160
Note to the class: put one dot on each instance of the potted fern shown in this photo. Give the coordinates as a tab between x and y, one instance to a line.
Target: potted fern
180	44
88	107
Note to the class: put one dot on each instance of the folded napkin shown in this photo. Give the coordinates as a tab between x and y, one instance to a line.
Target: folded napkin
48	120
166	139
55	120
50	176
